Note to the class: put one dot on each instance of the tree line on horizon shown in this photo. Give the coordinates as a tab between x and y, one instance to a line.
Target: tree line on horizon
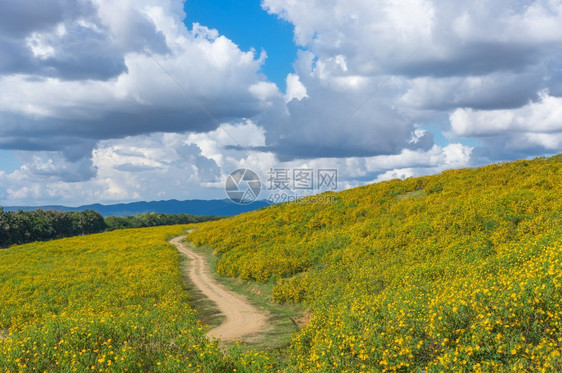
19	227
153	219
27	226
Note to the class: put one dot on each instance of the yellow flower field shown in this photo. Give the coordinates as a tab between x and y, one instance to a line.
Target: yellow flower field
457	272
111	302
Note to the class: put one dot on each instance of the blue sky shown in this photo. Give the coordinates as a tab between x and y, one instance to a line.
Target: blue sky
249	26
8	161
91	110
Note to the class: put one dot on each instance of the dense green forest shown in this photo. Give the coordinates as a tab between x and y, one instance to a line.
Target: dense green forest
153	219
28	226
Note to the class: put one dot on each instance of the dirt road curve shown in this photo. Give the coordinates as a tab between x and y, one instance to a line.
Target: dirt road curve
241	318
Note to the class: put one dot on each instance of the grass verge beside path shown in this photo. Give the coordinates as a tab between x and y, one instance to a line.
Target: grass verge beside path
283	319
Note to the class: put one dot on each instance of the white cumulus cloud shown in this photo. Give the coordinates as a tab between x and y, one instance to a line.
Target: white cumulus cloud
295	89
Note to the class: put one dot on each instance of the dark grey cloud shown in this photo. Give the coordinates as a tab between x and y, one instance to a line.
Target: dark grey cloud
24	143
321	126
52	166
554	76
82	45
480	58
14	56
19	18
503	90
77	137
506	147
72	148
82	53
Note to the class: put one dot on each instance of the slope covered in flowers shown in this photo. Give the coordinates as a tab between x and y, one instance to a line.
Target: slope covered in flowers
460	271
111	302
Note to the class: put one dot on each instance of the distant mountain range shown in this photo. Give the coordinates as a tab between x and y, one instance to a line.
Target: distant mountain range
217	207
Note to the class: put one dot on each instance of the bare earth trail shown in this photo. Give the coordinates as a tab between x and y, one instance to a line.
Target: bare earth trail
241	318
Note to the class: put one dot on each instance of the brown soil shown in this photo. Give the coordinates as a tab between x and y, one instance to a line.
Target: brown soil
241	318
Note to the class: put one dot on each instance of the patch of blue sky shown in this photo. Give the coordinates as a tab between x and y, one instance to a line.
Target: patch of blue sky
8	161
249	26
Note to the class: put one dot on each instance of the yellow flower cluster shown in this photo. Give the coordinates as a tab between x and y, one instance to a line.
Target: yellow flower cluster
111	302
456	272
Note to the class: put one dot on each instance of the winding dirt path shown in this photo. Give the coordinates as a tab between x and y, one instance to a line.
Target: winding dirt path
241	318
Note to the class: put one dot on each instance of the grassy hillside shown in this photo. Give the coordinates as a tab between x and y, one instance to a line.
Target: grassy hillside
455	272
110	302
